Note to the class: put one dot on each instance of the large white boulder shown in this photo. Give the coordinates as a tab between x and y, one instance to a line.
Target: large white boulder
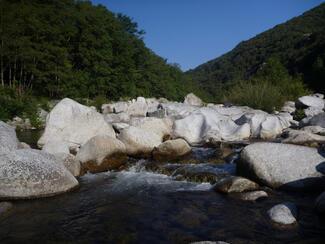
192	99
311	101
138	108
282	165
8	138
206	124
74	124
31	173
162	127
171	150
138	141
102	153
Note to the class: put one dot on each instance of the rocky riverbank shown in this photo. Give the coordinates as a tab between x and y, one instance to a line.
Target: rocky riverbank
78	139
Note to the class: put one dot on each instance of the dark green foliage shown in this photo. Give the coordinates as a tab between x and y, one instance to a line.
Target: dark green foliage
75	49
299	44
268	89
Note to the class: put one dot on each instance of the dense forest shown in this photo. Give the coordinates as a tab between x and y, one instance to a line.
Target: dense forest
298	44
72	48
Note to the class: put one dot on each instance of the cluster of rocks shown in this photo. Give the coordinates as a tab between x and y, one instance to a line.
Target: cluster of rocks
79	139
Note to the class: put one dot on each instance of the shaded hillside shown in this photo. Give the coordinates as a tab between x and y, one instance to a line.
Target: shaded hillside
73	48
299	44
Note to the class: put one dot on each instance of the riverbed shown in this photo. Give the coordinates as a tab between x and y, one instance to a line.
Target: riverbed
139	206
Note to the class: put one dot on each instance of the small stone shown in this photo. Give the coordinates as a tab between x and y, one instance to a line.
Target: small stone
284	213
235	184
252	195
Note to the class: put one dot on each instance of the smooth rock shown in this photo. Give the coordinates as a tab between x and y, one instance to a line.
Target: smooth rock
138	108
171	150
320	203
233	184
284	214
117	118
161	127
29	173
252	195
74	124
314	130
192	99
102	153
289	107
56	147
301	137
312	111
70	162
139	142
318	120
8	138
310	101
287	166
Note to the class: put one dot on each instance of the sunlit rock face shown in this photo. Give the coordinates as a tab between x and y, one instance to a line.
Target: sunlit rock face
29	173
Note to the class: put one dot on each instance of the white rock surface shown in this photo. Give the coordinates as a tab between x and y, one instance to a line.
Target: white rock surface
74	124
311	101
192	99
282	165
8	138
102	153
284	214
138	108
31	173
139	142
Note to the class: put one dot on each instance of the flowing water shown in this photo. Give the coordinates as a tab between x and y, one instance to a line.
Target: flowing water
138	206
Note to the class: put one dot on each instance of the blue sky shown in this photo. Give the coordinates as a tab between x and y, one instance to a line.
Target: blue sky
191	32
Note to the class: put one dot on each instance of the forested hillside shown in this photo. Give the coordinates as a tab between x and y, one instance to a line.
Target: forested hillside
72	48
299	44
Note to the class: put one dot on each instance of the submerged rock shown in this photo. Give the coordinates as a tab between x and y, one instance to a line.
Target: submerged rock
282	165
171	150
284	214
8	138
102	153
320	203
74	124
252	195
31	173
5	207
233	184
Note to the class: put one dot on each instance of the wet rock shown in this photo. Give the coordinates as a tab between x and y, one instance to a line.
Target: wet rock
139	142
284	214
29	173
102	153
8	138
74	124
252	195
192	99
233	184
171	150
201	173
282	165
5	207
320	203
